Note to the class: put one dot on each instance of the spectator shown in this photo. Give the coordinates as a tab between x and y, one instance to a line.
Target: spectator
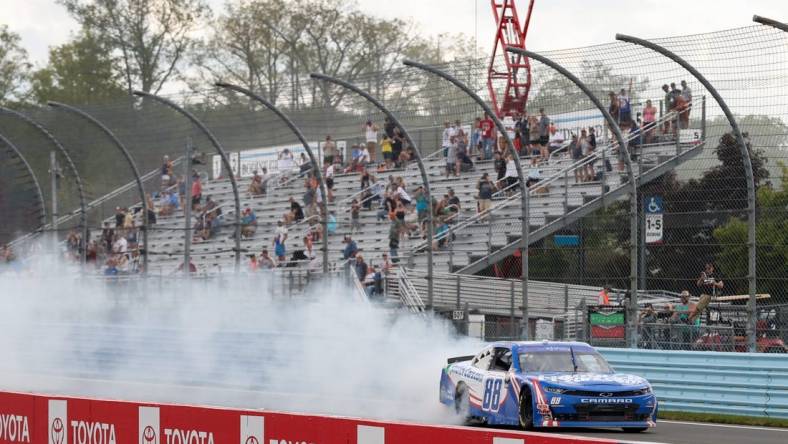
510	177
351	249
303	164
107	236
248	223
422	209
485	188
500	169
196	191
296	212
453	208
544	135
487	128
556	139
534	176
309	198
192	267
373	282
388	128
649	121
476	138
625	108
401	193
686	94
253	265
710	286
446	138
331	223
396	146
588	147
355	211
386	266
681	108
648	318
280	250
451	158
463	160
120	216
683	314
388	151
603	298
533	140
441	234
360	267
371	136
309	245
329	152
394	243
266	262
167	177
364	158
330	180
256	184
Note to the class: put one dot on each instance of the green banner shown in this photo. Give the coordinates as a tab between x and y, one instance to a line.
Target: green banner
607	319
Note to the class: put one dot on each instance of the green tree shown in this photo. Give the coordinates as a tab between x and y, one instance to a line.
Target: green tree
150	37
79	71
771	233
14	68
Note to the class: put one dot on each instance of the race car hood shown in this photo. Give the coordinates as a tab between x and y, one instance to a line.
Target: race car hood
575	380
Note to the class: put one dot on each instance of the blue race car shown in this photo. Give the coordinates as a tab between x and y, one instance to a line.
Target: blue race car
546	384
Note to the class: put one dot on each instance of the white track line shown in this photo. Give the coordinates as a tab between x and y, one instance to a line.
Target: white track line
729	426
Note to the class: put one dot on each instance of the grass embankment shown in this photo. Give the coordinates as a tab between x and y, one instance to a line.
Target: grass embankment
724	419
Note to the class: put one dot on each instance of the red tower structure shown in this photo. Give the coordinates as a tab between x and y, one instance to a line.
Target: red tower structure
517	73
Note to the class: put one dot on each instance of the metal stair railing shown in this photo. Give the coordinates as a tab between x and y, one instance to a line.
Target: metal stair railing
408	294
599	154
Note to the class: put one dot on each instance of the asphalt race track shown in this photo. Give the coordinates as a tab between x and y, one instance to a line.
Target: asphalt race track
677	432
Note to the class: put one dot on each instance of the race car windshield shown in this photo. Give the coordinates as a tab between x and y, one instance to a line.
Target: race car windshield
561	361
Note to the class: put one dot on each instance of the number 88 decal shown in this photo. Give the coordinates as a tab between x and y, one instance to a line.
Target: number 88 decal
492	394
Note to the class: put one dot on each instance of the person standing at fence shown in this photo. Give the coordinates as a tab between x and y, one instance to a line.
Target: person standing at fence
485	188
371	137
329	152
710	286
683	315
487	128
603	297
648	319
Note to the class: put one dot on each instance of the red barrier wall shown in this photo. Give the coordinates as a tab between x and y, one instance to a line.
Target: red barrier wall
41	419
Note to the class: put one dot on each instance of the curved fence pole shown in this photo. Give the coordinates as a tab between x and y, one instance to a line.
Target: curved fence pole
80	188
769	22
525	198
132	165
32	175
422	169
225	161
745	154
313	160
633	206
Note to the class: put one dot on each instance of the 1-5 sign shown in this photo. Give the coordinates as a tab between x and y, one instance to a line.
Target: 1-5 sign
654	226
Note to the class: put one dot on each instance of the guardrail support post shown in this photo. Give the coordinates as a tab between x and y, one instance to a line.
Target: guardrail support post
750	181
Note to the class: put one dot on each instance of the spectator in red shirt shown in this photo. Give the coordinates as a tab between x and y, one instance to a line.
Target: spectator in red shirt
196	192
487	127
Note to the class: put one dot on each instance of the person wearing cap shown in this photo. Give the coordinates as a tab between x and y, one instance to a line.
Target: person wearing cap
248	223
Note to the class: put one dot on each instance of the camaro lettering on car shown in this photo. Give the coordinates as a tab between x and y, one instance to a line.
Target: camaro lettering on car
606	401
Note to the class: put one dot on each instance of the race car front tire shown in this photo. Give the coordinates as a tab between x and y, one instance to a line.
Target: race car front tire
526	409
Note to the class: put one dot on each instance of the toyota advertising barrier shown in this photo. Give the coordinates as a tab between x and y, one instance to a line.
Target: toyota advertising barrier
27	418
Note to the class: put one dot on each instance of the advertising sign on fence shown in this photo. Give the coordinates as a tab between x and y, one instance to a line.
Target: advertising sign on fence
275	159
607	322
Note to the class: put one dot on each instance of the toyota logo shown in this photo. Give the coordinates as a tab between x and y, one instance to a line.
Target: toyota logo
605	395
251	440
57	431
149	435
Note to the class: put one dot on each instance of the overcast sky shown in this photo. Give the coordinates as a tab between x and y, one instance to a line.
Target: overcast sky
555	24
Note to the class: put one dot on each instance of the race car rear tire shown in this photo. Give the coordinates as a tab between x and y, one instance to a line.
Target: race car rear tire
635	429
526	409
462	401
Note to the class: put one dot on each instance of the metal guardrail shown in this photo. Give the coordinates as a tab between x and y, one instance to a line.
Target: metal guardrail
749	384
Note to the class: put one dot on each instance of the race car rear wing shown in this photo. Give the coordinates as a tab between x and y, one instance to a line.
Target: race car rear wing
459	359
